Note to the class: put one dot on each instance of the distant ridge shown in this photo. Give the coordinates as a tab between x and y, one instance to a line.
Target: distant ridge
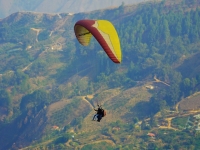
59	6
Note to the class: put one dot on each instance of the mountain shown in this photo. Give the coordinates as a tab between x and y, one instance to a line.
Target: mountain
59	6
49	83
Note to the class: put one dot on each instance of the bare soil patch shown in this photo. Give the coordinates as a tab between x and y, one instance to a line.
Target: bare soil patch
190	103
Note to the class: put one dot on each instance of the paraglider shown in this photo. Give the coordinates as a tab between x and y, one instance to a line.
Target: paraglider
100	113
104	32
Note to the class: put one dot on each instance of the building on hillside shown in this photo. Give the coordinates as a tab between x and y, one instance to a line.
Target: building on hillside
55	128
150	87
151	134
197	116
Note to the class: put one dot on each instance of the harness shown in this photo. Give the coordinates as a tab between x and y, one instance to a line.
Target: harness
102	111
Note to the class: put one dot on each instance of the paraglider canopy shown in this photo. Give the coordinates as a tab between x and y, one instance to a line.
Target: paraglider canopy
104	32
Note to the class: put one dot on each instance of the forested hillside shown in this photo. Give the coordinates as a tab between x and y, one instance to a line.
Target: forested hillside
50	83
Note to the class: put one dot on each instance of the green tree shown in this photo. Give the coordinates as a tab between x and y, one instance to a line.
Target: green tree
5	100
166	32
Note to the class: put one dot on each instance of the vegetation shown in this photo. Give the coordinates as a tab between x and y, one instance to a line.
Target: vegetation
46	74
